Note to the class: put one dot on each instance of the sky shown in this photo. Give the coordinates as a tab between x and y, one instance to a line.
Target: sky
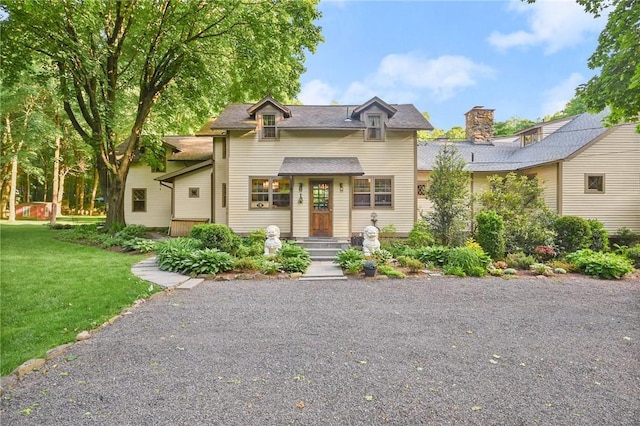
445	57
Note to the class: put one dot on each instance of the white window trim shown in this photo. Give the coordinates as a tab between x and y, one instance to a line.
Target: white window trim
372	193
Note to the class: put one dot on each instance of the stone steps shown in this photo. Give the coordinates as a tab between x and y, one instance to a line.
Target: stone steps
322	249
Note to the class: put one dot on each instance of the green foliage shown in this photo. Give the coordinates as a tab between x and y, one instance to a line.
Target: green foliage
348	256
454	270
391	272
142	245
599	236
132	231
518	200
413	264
353	267
388	233
420	235
511	126
207	262
541	269
572	234
448	191
626	237
519	260
258	236
602	265
172	253
292	250
472	261
490	233
217	236
269	267
434	255
631	253
294	264
247	264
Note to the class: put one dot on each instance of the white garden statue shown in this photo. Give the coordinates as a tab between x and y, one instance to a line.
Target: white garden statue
272	244
370	243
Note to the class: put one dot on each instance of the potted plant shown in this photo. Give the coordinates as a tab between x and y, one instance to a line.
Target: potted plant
369	267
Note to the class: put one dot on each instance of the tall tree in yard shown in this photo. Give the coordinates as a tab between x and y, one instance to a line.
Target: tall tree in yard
123	66
448	190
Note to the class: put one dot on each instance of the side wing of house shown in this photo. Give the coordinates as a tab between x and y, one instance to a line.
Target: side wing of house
602	181
147	202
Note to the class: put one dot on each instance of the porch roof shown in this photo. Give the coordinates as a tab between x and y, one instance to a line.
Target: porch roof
320	166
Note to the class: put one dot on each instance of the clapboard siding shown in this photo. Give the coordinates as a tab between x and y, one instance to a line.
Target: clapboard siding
220	180
548	178
187	207
252	157
617	156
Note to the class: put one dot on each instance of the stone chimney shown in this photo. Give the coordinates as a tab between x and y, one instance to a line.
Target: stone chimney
479	124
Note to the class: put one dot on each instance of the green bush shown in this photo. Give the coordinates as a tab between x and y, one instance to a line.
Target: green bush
247	264
602	265
141	245
420	235
398	248
573	233
626	237
413	264
599	236
294	264
348	256
207	261
434	255
631	253
354	267
132	231
472	261
217	236
519	260
172	253
269	267
258	236
292	250
390	271
490	234
453	270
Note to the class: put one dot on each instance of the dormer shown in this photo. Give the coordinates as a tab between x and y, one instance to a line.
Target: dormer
375	113
268	113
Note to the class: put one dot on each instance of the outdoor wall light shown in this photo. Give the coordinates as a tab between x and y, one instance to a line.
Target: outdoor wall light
300	188
341	187
300	198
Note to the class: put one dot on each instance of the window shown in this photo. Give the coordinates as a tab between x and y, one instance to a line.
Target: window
373	192
422	190
594	183
224	195
268	126
270	193
194	192
139	198
374	128
26	211
224	149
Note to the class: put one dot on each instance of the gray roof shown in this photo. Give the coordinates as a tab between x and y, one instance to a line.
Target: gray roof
509	156
236	117
170	177
190	148
312	166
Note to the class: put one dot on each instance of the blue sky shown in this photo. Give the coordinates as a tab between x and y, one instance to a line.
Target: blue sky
445	57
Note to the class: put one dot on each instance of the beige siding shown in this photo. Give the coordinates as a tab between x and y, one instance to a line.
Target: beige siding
189	207
221	179
617	156
548	178
158	214
547	129
393	157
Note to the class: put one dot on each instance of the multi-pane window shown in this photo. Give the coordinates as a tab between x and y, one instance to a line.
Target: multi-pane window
270	192
194	192
422	190
374	127
373	192
594	183
139	200
268	126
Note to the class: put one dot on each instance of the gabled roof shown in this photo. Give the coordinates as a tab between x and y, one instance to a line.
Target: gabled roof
322	117
568	140
286	112
170	177
189	148
373	101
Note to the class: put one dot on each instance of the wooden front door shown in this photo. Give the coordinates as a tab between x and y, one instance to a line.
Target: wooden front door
321	209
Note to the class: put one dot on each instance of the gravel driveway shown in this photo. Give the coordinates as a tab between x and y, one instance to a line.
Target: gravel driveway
357	352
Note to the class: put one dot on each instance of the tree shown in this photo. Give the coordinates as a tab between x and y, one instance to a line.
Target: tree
448	190
617	57
511	126
117	61
519	200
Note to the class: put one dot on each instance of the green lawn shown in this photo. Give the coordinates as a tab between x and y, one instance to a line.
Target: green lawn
51	290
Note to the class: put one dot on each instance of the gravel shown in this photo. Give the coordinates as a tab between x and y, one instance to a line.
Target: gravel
357	352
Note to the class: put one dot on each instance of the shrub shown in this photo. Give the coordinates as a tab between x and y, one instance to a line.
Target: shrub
519	260
572	234
294	264
217	236
556	264
353	267
388	234
247	264
490	234
141	245
435	255
258	236
472	261
454	270
132	231
541	269
390	271
398	248
348	256
269	267
544	253
413	264
599	236
171	253
631	253
292	250
602	265
420	236
626	237
207	261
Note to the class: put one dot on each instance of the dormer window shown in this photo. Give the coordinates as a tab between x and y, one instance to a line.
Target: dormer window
268	126
374	127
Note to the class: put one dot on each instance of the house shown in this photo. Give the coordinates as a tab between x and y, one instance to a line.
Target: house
314	171
587	170
36	210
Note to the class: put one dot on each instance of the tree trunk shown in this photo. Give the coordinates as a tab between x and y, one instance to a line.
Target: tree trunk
115	207
81	194
94	191
55	199
12	193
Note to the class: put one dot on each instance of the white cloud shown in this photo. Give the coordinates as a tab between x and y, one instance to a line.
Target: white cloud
317	92
405	77
556	98
556	25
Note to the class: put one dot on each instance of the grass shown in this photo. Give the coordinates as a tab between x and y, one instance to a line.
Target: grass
51	290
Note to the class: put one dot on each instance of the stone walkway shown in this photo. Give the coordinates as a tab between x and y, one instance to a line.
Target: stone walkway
148	270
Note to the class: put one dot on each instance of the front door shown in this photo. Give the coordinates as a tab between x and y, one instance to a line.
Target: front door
321	209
